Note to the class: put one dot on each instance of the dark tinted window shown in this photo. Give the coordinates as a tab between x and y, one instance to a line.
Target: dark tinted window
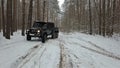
50	25
38	24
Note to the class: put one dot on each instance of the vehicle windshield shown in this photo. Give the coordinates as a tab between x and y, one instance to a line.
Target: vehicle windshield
38	24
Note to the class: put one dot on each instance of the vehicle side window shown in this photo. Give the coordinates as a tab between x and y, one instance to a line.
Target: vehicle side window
45	26
50	25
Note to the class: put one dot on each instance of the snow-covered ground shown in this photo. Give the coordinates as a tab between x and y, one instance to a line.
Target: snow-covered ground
73	50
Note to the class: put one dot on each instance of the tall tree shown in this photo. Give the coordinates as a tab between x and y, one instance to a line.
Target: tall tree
38	9
3	18
113	15
90	17
23	18
100	19
0	18
9	18
101	16
15	2
30	14
44	7
78	11
104	17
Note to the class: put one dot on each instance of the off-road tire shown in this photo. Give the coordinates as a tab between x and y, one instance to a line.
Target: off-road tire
44	38
53	35
56	35
28	37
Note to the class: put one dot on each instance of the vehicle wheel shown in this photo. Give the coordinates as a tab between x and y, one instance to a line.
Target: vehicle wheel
53	35
44	38
28	37
56	35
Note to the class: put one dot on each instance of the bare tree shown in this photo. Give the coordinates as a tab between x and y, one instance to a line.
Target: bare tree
44	7
0	18
38	9
104	18
113	15
30	14
23	18
90	17
3	18
9	18
15	2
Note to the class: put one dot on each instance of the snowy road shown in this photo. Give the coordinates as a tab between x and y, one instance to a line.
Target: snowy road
74	50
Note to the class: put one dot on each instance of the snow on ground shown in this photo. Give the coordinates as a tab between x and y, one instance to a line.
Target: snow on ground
73	50
11	50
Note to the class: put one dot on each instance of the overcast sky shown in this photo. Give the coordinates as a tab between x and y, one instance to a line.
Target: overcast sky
60	2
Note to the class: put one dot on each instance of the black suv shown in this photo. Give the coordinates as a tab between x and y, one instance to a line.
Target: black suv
42	30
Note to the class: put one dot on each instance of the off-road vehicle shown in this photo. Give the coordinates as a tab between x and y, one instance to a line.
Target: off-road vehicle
42	30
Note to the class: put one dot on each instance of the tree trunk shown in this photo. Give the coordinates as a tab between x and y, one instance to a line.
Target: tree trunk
38	10
108	21
9	18
113	19
78	12
3	18
23	17
44	6
14	15
30	14
90	18
104	18
100	20
0	19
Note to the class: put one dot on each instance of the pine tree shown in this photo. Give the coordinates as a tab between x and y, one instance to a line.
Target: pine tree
3	18
23	17
30	14
9	18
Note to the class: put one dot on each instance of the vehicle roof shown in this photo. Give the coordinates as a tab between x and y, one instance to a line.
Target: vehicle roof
43	22
40	22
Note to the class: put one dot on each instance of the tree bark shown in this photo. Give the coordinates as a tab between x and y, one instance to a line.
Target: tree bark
30	14
100	20
38	10
44	6
113	19
9	18
3	18
14	15
104	18
90	18
0	19
23	17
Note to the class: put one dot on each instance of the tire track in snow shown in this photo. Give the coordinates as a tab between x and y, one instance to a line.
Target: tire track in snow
65	61
49	59
99	47
108	54
93	44
74	60
102	52
8	45
67	58
25	59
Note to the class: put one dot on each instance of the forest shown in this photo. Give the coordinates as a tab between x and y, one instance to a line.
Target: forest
100	17
59	33
20	14
92	16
